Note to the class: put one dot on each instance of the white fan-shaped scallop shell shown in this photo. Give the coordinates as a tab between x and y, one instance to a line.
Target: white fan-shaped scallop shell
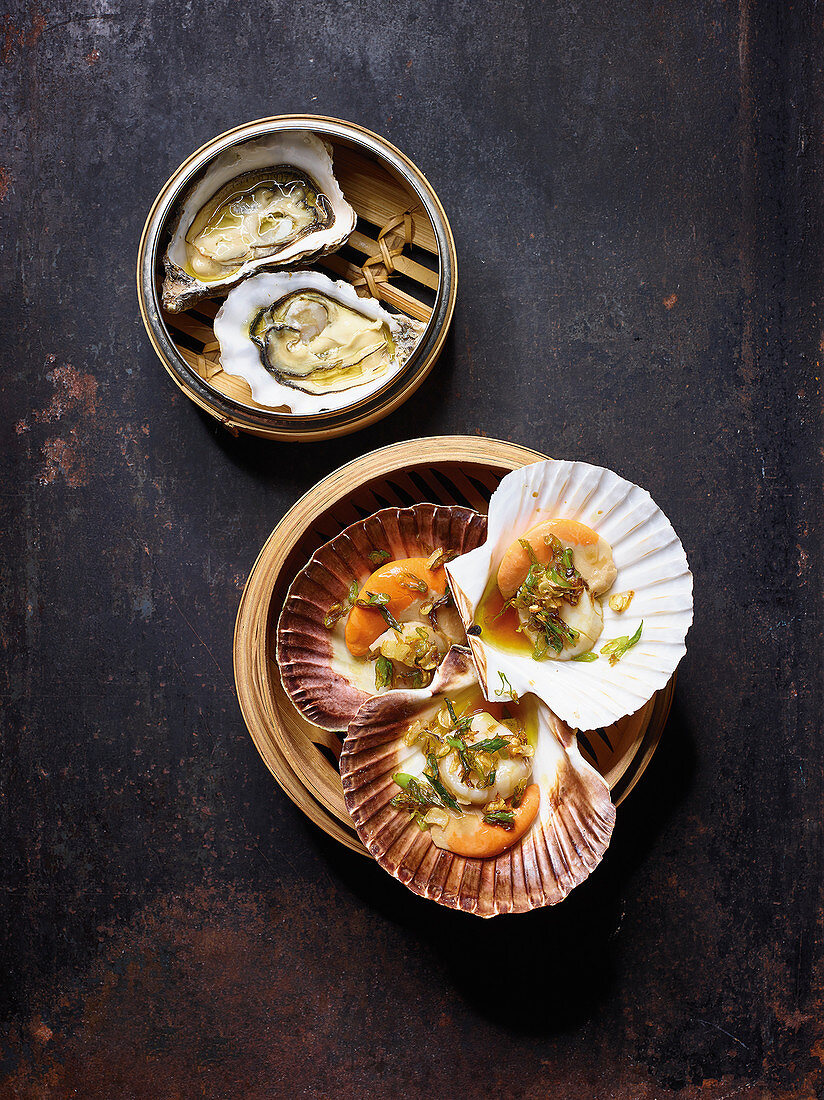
239	355
299	149
563	846
650	560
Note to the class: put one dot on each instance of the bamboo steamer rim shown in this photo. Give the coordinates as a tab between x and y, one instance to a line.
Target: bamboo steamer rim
253	646
236	415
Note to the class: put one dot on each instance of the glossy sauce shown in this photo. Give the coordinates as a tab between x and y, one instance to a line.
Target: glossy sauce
523	712
500	629
260	209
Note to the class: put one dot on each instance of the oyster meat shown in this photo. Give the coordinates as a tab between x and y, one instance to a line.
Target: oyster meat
267	203
309	344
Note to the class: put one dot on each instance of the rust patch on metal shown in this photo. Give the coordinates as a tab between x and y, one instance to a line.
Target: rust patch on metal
215	991
64	456
13	37
74	393
166	1008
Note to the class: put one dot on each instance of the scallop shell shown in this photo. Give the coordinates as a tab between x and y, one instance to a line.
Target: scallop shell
292	148
564	845
239	355
650	560
316	669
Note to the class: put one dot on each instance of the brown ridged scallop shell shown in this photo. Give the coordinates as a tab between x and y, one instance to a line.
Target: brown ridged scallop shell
564	845
304	647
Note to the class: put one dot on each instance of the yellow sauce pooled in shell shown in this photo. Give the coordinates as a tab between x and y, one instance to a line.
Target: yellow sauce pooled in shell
543	598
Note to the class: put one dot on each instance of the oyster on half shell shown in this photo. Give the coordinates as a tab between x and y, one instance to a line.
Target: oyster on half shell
309	344
271	202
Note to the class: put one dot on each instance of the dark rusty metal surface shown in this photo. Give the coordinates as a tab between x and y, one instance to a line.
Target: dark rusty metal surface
636	195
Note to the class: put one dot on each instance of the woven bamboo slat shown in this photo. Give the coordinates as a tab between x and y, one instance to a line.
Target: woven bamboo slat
445	470
391	295
377	196
423	275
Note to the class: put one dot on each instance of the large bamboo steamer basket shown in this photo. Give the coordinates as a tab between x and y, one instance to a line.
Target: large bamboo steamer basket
444	470
402	251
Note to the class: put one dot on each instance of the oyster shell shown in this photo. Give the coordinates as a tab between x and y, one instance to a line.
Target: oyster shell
308	344
325	682
565	843
650	561
271	202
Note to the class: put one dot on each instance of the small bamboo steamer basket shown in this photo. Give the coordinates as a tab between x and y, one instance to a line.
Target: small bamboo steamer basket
444	470
402	251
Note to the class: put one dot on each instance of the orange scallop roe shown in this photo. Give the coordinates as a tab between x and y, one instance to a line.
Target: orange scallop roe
516	562
470	836
364	626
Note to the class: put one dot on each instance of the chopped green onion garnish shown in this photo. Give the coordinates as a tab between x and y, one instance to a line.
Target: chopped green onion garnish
377	601
504	818
413	583
337	610
533	557
434	778
506	689
494	744
619	646
383	672
332	615
518	796
451	710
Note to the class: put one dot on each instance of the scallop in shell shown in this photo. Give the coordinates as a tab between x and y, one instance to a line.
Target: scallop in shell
319	672
564	844
270	202
637	637
308	344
